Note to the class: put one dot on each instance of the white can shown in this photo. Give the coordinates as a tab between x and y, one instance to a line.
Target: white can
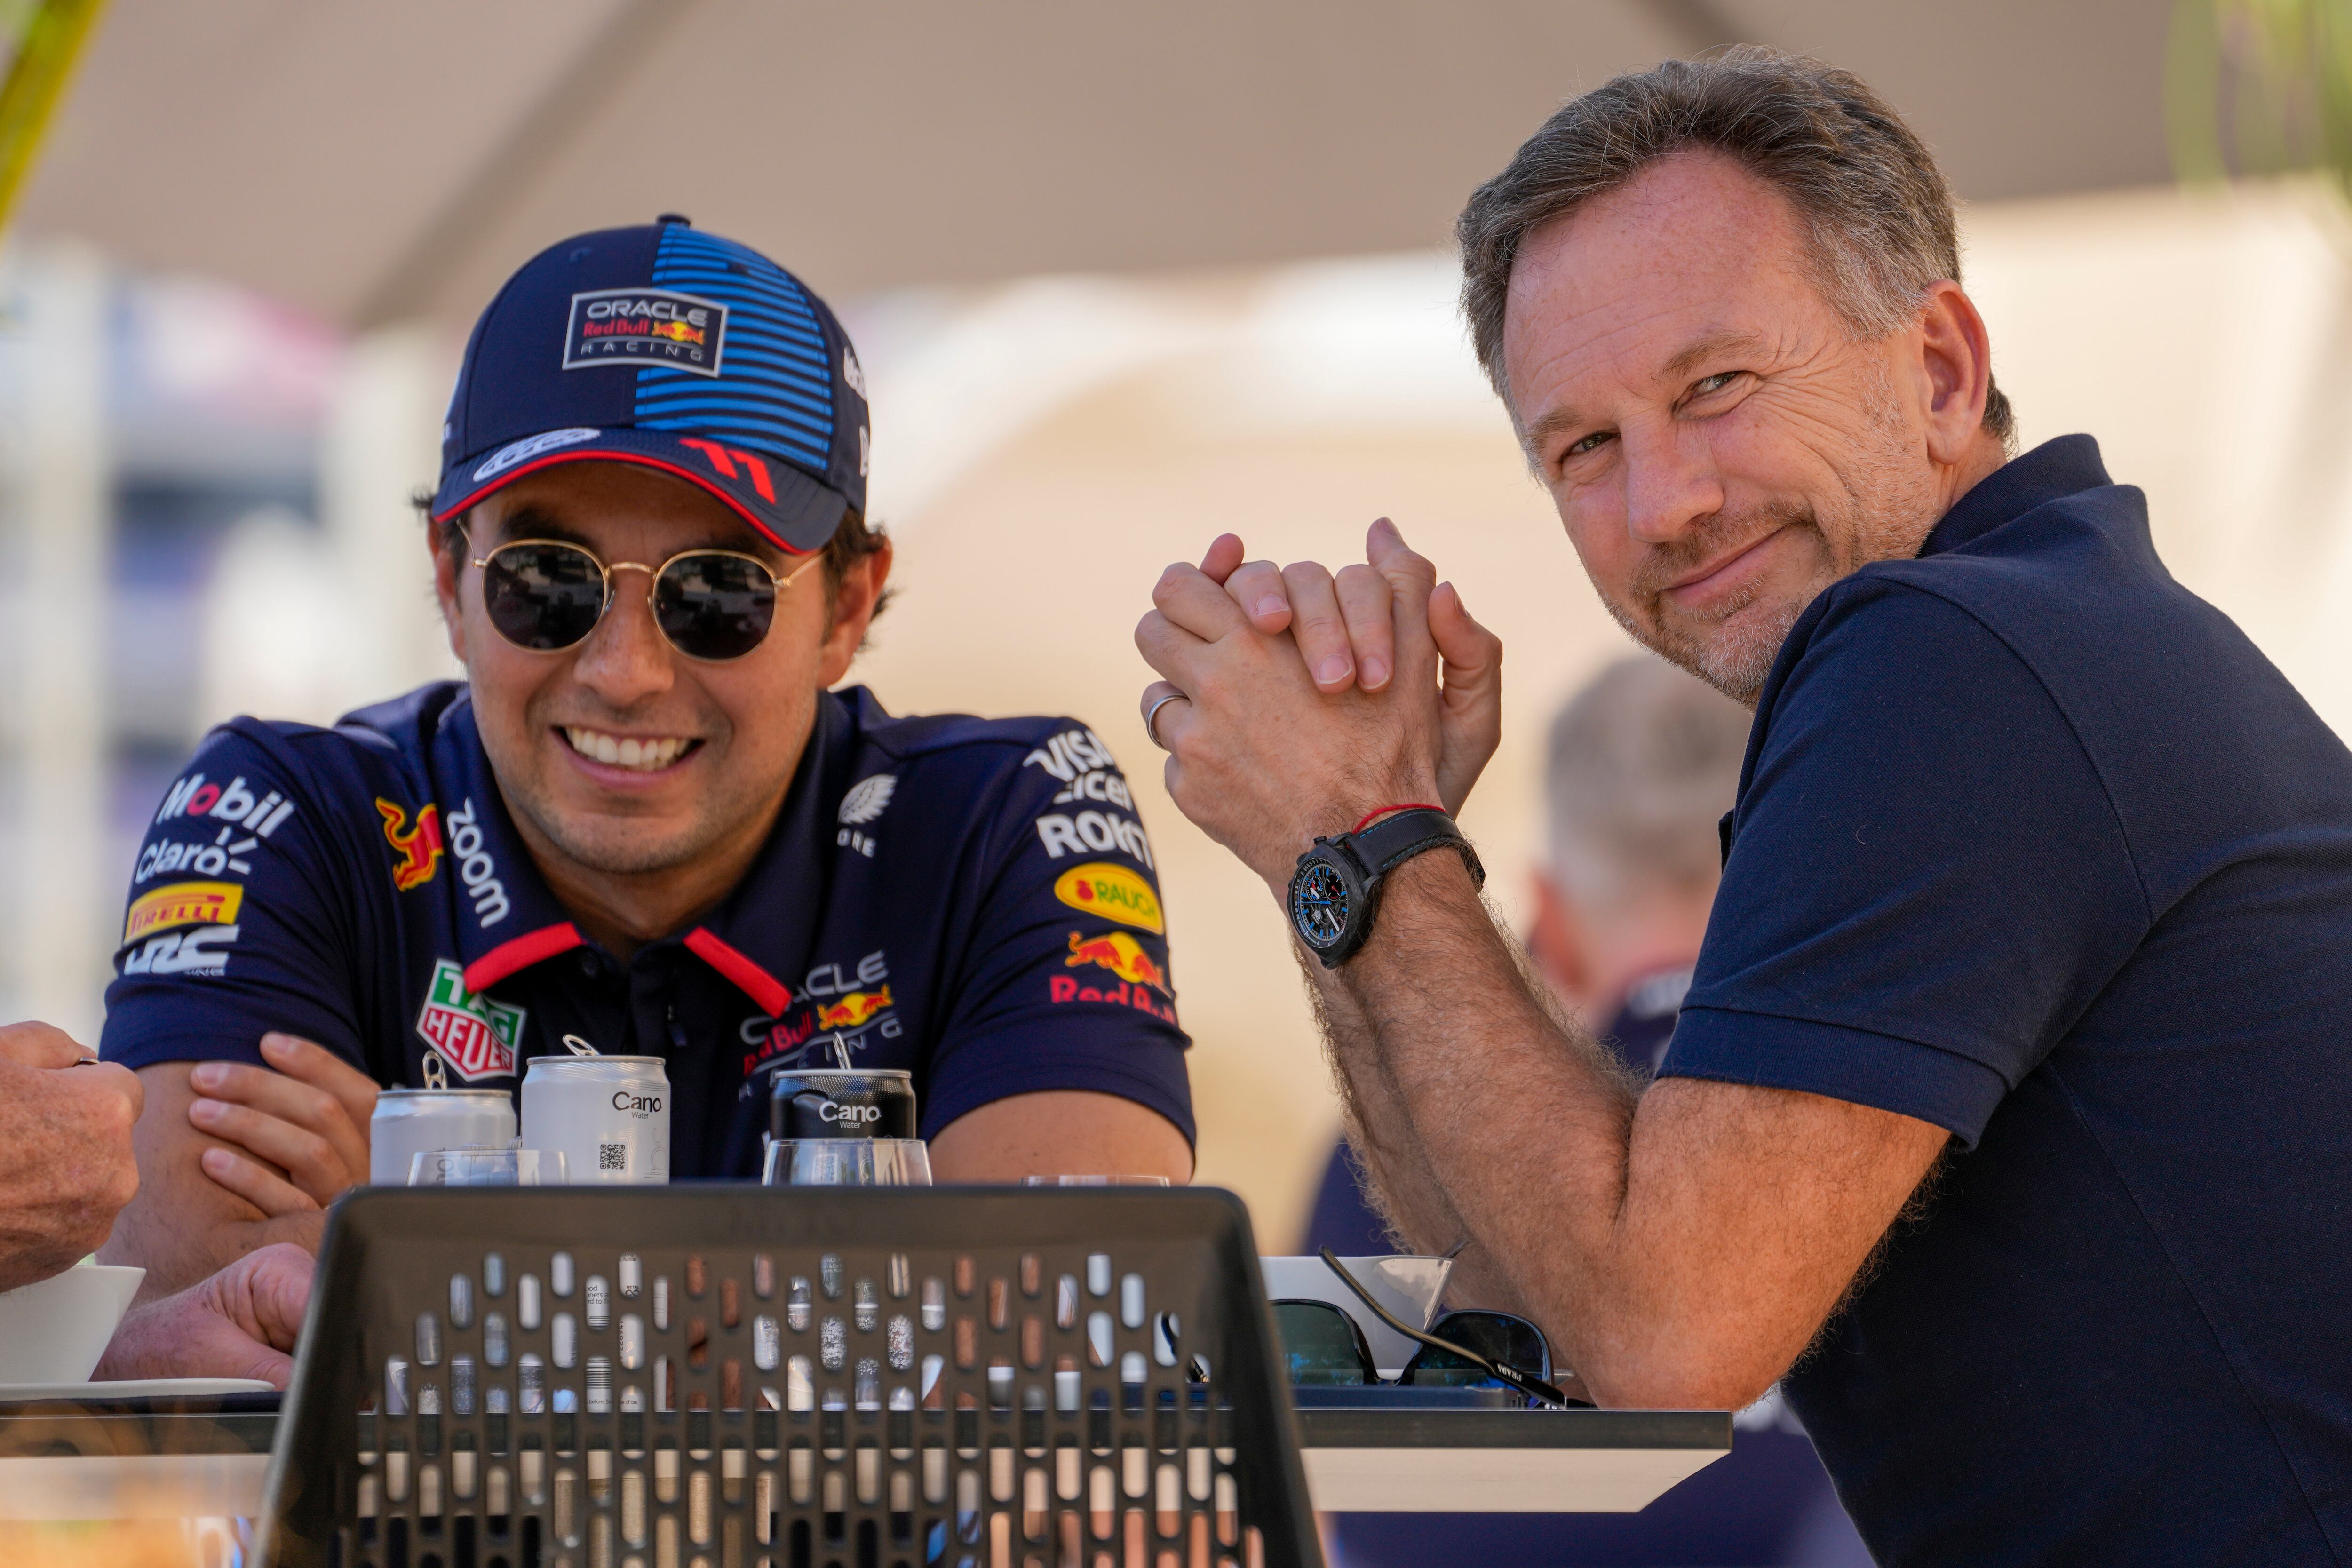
412	1122
610	1115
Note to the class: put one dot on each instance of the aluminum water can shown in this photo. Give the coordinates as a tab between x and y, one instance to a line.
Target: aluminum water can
842	1103
610	1115
412	1122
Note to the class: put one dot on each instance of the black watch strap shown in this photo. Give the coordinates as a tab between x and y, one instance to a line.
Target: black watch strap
1399	837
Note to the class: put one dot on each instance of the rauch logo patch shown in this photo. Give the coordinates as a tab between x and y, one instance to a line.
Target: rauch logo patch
645	326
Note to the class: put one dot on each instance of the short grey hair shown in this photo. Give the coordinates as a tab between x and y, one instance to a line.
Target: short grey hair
1641	764
1876	211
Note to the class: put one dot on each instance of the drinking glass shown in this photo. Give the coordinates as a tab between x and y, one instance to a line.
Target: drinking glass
487	1168
1094	1181
847	1162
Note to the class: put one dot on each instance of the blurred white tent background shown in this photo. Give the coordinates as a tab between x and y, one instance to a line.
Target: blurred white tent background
1117	287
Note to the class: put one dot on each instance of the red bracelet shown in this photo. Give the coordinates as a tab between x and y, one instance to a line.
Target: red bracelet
1384	810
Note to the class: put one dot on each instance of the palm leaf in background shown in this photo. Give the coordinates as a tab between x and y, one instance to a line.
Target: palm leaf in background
2260	87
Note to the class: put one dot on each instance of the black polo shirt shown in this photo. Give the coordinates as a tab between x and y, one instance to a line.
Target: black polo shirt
971	900
2035	844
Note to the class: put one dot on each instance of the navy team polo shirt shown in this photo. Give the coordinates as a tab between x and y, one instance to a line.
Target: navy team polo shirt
971	900
2035	844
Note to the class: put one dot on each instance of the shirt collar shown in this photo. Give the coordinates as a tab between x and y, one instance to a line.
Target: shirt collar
763	928
2061	468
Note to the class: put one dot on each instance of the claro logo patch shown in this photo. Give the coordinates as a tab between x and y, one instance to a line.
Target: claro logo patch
1113	892
645	326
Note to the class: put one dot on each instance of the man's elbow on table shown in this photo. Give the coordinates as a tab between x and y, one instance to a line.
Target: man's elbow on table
1684	1376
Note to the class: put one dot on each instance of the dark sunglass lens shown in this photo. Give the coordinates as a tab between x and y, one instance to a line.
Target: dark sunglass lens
714	607
1321	1344
1513	1341
542	596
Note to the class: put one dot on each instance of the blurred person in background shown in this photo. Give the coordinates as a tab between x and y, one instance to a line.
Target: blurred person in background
1640	767
644	819
2003	1123
65	1172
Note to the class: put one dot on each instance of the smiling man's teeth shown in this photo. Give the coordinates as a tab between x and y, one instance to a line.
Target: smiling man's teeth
645	756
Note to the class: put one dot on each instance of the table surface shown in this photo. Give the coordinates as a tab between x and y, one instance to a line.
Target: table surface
208	1459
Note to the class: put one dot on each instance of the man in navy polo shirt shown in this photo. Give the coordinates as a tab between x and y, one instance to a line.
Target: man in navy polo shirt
645	819
2005	1119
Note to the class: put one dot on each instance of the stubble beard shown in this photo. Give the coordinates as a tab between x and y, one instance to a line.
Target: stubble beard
1892	505
621	845
1733	650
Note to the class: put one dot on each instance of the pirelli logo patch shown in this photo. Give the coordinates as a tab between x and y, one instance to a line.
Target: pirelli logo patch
645	326
182	904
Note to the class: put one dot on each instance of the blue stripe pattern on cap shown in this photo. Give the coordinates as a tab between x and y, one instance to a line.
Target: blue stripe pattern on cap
774	389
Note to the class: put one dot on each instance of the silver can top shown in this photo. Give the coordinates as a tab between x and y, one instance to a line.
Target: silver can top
442	1094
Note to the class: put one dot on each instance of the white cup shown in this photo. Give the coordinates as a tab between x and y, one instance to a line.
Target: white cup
54	1329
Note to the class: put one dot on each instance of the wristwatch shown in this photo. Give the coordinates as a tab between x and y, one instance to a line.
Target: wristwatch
1336	891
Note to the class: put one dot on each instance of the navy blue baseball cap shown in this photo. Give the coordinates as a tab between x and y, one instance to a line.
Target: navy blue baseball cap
673	349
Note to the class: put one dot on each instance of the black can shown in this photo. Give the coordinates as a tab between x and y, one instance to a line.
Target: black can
838	1104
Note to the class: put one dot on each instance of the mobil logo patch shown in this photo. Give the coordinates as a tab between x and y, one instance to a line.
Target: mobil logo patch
645	326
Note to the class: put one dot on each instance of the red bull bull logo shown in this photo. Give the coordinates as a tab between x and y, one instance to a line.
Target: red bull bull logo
1121	954
677	331
419	848
853	1010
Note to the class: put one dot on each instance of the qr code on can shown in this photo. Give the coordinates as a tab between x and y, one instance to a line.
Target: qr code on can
612	1156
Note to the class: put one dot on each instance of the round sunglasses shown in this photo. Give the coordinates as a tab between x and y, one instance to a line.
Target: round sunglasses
711	605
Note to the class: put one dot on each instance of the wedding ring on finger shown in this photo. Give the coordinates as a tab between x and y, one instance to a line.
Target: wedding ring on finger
1151	718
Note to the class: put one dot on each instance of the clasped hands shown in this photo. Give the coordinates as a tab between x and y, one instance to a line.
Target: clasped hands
1315	697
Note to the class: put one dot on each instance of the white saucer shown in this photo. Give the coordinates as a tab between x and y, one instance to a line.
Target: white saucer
138	1388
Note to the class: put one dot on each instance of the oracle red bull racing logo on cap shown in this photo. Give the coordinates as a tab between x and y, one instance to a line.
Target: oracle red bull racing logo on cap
645	326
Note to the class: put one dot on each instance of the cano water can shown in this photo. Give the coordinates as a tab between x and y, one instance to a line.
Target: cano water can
610	1115
412	1122
842	1103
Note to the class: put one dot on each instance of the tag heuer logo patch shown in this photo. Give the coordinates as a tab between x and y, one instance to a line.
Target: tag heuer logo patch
645	326
478	1036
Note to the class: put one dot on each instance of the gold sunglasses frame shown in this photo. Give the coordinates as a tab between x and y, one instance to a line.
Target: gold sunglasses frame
604	570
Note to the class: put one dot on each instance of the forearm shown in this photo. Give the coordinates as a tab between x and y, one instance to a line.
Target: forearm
1060	1132
184	1225
1407	1193
1518	1126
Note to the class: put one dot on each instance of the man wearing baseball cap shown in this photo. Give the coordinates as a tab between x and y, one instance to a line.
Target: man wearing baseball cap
645	819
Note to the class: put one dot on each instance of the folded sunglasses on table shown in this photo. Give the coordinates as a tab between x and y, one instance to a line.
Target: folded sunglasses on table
1325	1348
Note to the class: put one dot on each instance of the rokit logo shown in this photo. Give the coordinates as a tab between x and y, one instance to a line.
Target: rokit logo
475	867
1090	832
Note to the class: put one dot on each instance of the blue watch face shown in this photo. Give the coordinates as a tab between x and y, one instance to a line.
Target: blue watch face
1319	905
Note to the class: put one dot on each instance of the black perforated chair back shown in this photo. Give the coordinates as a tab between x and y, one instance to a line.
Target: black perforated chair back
745	1377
